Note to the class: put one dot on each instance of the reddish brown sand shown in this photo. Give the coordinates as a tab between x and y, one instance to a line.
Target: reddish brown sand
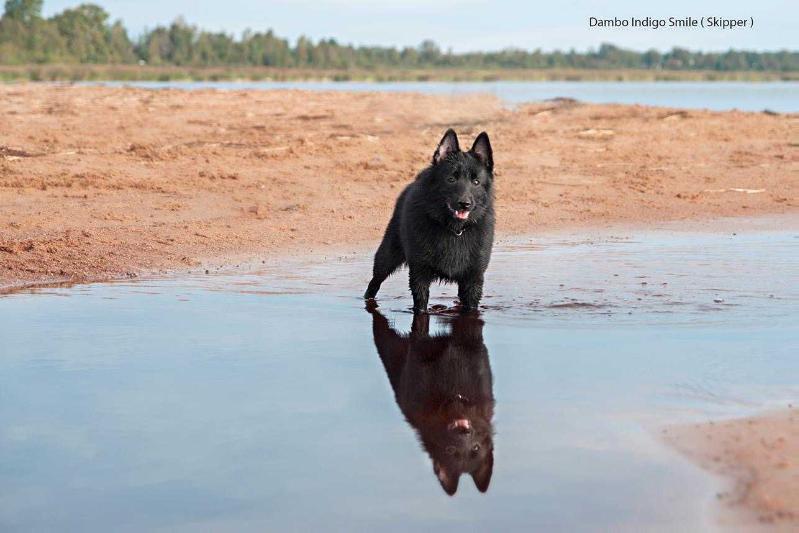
761	455
108	182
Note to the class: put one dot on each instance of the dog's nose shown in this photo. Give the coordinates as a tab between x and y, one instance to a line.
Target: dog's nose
464	204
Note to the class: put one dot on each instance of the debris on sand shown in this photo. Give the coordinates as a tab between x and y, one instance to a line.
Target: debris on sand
596	133
12	154
737	189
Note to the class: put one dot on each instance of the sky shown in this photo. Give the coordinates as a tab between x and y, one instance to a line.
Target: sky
467	25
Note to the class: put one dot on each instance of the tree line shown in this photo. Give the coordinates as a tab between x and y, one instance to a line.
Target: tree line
86	35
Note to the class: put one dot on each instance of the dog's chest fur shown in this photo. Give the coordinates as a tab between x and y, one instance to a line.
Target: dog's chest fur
448	255
455	255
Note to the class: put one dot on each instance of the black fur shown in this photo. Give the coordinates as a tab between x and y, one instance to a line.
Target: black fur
443	386
426	234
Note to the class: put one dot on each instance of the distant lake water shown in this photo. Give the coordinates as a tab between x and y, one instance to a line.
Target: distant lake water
782	97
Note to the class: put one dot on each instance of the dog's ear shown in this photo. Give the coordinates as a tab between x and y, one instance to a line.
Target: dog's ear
448	480
481	149
482	476
448	145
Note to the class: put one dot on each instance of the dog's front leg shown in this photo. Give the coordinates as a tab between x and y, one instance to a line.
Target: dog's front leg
470	291
419	280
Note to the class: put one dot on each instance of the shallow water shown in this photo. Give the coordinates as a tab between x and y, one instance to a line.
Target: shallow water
782	97
264	401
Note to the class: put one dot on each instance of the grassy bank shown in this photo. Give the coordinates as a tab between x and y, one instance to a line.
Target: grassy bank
173	73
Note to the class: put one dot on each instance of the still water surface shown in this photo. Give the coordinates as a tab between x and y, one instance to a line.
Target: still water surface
275	401
782	97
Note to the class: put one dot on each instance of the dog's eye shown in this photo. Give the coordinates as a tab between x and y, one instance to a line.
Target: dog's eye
450	450
476	181
452	179
476	448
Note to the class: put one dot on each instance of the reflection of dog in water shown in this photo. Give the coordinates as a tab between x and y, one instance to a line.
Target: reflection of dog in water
443	386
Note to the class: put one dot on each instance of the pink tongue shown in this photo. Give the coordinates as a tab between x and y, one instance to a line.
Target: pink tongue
460	423
462	214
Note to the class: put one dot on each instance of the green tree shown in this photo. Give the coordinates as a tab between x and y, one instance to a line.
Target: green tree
90	38
182	38
24	11
84	34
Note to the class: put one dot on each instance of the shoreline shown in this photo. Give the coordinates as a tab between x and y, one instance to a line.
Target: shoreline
249	262
688	499
87	72
750	456
100	183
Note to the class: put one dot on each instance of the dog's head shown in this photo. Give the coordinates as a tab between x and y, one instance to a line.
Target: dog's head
461	183
462	444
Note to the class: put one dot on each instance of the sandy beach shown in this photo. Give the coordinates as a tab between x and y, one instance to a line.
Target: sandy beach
99	183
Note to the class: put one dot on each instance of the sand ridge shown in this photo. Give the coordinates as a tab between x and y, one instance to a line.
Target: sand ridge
759	454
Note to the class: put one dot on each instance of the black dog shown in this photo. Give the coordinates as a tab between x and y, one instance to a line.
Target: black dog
443	386
443	225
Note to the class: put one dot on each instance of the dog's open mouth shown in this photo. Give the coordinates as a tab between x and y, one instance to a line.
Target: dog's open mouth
460	214
461	424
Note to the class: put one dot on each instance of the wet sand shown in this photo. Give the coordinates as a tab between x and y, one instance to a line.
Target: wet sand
99	183
759	455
